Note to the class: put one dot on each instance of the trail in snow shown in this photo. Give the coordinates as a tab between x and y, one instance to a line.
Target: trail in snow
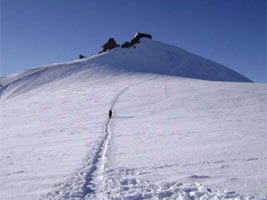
95	181
99	157
89	182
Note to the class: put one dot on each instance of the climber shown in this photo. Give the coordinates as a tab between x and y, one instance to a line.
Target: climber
110	114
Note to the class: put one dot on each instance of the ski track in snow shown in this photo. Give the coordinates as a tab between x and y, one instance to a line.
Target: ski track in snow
99	179
92	175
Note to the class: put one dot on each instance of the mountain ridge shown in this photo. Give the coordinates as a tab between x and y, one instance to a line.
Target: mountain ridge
147	56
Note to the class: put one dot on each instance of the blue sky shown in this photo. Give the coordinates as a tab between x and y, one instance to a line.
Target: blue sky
38	32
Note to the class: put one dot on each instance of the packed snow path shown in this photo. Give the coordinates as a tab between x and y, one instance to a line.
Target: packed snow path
94	178
97	178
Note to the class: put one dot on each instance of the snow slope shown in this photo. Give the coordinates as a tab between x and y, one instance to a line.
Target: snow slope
149	56
169	137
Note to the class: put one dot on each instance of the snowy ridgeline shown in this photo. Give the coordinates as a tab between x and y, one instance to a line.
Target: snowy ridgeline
149	56
169	137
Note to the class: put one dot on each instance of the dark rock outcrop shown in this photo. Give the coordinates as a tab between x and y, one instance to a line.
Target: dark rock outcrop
126	44
135	39
81	56
110	44
137	36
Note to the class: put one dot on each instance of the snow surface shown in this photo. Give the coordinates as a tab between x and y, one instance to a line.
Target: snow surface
169	137
149	56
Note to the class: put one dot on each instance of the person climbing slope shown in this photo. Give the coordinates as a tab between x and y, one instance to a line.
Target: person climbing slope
110	114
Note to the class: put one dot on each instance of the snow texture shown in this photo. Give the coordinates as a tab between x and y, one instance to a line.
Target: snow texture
169	137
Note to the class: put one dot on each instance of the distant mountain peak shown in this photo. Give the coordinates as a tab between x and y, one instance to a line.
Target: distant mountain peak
144	55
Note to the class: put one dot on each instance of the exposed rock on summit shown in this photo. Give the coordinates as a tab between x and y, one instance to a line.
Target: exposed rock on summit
110	44
135	39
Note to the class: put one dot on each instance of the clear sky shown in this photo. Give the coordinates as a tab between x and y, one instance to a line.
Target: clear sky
38	32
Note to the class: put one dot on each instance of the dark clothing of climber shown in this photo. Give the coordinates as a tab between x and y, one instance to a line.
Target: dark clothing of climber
110	113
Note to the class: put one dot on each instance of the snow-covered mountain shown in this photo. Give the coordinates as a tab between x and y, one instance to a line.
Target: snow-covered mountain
149	56
171	135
